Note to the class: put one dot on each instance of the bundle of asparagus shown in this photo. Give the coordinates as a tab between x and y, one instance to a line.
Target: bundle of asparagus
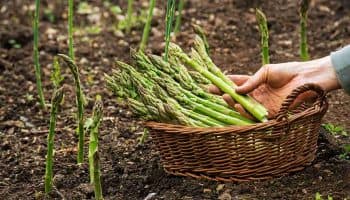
166	91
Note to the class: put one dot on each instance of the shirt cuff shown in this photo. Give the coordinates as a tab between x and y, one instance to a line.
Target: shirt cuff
341	63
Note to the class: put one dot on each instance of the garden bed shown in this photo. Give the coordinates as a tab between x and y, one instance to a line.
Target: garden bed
131	170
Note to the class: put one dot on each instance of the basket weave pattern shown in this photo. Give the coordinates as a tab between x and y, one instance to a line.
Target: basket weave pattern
242	153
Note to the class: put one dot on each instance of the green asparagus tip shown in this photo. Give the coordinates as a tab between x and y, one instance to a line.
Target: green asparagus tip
304	6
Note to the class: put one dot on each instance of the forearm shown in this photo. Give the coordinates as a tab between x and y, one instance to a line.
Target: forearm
341	63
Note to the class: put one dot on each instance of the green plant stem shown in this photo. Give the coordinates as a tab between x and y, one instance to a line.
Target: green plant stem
80	104
304	6
56	100
262	22
147	27
94	160
129	15
36	55
180	7
170	10
70	28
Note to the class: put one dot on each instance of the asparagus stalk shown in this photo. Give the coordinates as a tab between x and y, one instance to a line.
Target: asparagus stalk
248	103
94	159
304	6
147	27
70	29
264	31
36	55
180	7
80	104
129	15
56	100
170	10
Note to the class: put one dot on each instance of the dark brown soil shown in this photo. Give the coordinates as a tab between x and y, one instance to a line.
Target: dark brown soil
130	170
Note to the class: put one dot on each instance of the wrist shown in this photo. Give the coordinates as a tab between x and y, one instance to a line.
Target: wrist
322	73
331	80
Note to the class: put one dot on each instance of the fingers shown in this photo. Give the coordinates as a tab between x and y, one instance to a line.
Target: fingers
255	81
305	97
238	107
237	79
214	90
229	100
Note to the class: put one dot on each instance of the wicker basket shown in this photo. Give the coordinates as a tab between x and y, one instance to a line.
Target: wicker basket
242	153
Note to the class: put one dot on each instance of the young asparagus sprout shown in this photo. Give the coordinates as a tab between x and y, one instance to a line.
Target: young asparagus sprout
170	10
80	104
36	55
304	6
180	7
129	15
264	32
94	160
147	27
200	32
55	102
70	29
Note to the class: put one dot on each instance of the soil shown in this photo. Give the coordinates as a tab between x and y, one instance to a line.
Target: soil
131	170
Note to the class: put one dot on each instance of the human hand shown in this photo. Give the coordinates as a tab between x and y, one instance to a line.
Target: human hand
272	83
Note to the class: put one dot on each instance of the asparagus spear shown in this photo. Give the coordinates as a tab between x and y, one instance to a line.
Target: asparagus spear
262	22
55	102
304	6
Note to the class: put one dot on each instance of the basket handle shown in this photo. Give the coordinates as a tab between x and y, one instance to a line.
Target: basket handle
283	112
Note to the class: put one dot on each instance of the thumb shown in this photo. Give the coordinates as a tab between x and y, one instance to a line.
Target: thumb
254	81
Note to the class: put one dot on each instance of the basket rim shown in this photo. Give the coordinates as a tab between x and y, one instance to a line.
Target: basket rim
313	110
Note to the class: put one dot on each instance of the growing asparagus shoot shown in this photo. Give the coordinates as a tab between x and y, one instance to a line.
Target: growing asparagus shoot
55	102
129	15
80	104
147	27
264	32
304	6
36	55
70	29
170	10
94	160
180	7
